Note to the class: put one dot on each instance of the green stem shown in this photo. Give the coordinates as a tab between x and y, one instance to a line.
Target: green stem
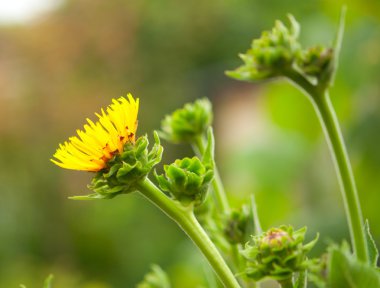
255	215
329	122
236	256
217	185
286	283
185	218
302	279
330	125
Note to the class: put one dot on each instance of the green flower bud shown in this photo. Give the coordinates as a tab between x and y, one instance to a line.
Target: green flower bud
271	54
125	169
156	278
188	123
277	253
315	60
237	225
187	180
279	54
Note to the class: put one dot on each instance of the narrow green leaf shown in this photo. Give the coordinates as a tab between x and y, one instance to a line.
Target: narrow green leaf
156	278
48	282
311	244
371	245
208	156
156	138
338	44
88	197
255	215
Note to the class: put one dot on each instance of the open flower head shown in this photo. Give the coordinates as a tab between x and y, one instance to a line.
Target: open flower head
100	141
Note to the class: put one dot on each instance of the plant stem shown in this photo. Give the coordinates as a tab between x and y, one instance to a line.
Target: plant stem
185	218
217	185
302	279
255	215
326	114
286	283
334	137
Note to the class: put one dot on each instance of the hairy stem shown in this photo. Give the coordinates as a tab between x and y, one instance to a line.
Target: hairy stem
185	218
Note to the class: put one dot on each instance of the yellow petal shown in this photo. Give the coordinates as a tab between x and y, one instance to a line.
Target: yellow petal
98	142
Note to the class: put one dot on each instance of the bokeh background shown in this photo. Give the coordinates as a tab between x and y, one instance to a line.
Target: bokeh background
61	65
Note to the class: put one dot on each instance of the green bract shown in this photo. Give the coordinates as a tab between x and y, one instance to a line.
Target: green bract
156	278
277	253
188	123
187	180
315	61
125	169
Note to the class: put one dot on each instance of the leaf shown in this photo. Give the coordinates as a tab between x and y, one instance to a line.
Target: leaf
93	196
255	215
307	247
48	281
346	271
209	154
156	278
371	245
337	45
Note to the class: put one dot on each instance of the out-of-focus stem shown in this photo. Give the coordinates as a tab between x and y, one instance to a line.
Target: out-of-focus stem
286	283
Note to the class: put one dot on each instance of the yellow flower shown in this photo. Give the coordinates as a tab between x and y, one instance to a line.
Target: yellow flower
100	141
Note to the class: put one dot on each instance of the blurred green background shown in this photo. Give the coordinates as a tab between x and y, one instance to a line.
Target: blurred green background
62	66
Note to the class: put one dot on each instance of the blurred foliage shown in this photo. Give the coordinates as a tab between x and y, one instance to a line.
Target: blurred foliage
62	67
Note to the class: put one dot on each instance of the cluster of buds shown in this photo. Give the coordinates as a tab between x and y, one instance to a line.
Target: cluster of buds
278	53
277	254
269	55
187	180
124	170
187	124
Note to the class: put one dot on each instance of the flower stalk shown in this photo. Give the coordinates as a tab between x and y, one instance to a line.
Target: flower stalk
312	71
217	185
329	122
320	99
185	218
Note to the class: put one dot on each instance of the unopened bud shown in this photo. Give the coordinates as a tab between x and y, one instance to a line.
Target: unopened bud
188	123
